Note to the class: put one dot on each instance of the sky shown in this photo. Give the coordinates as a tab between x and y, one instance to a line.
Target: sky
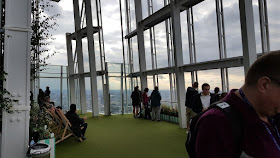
206	39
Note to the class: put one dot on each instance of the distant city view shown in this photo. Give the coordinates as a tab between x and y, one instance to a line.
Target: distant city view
115	100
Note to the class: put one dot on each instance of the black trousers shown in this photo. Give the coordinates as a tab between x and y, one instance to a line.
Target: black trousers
83	131
147	113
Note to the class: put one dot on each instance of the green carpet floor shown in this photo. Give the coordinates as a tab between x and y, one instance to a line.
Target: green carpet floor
122	136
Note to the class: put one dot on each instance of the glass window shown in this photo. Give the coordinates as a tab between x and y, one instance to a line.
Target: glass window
161	45
85	54
205	28
236	77
185	39
212	77
232	28
273	12
135	54
148	49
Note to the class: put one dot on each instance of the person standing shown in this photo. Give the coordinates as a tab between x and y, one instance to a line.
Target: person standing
47	91
257	101
155	104
135	96
203	100
146	100
191	91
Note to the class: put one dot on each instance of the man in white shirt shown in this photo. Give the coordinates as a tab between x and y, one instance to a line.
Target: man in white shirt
203	100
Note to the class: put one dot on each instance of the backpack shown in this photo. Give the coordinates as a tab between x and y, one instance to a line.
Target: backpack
235	120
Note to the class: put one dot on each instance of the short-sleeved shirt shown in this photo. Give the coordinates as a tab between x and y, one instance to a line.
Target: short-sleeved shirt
215	138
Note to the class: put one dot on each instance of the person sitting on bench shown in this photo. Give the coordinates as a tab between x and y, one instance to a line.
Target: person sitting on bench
78	124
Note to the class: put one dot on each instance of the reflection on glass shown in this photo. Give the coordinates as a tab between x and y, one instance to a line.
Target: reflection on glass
205	27
236	77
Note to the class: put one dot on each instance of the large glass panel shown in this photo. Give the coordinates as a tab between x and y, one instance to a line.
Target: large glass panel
148	49
144	9
188	80
135	55
132	15
97	52
236	77
115	95
161	45
164	89
232	28
257	25
85	55
112	31
129	107
206	37
150	81
157	5
212	77
88	94
54	84
100	95
185	39
273	11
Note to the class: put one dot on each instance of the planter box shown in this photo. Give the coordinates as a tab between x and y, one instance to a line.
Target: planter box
50	142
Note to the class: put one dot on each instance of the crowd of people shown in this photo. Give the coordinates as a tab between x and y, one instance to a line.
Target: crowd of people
256	103
78	125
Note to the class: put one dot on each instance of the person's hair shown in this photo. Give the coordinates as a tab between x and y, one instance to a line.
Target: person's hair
205	85
217	89
73	108
195	84
46	98
47	87
266	65
146	89
156	88
136	88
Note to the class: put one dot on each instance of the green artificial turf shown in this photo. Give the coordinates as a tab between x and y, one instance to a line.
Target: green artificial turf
126	137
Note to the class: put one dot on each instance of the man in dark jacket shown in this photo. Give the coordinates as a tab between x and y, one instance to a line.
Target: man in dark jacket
78	124
191	91
203	100
155	104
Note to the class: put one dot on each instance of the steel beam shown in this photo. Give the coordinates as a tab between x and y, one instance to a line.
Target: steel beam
70	69
77	19
247	33
15	126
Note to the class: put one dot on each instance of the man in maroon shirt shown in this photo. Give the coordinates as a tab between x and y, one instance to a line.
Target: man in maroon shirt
256	101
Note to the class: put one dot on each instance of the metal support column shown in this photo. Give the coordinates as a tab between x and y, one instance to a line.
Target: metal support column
178	55
15	126
191	39
264	26
80	60
91	54
70	69
247	33
222	43
141	46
